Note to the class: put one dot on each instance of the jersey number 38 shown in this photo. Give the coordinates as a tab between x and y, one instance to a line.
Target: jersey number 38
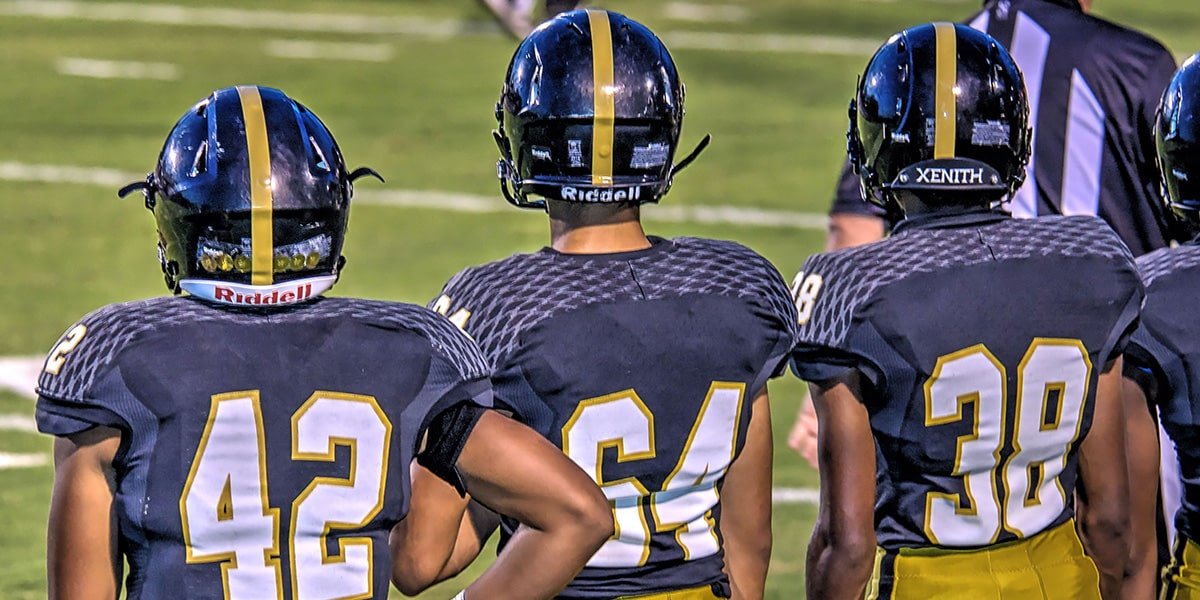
1051	395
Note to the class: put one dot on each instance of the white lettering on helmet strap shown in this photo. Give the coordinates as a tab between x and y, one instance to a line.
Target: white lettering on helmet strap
944	176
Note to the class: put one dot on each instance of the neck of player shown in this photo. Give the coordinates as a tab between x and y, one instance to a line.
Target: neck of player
577	228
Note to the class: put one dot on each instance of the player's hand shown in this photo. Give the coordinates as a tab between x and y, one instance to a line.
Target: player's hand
803	438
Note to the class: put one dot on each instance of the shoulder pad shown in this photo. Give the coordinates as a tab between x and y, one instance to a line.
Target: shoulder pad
1167	261
448	341
87	348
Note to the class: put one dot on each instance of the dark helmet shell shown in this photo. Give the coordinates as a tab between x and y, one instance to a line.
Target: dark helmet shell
250	188
940	108
591	111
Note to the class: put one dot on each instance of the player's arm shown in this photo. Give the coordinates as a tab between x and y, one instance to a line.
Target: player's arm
1141	439
423	543
746	507
842	550
1104	490
565	518
82	562
442	534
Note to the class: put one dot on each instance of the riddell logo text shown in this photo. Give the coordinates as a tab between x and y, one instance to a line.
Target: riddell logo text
602	195
941	176
225	294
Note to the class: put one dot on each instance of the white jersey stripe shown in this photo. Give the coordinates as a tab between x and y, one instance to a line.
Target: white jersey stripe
1084	153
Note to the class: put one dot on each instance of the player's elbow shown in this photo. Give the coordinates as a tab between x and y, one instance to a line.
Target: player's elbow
590	514
1106	533
852	549
414	574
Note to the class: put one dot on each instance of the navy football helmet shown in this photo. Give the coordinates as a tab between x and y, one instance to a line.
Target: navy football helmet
251	198
591	111
941	112
1177	137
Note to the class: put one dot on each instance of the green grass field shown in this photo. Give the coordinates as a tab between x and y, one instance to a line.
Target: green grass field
423	118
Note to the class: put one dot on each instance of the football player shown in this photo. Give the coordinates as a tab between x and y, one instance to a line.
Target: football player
253	439
1161	362
645	359
966	370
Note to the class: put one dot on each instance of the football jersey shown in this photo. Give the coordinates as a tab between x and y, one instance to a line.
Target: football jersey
642	366
264	453
1164	358
980	339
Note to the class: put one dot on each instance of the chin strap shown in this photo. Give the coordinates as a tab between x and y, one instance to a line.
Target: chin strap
365	172
683	164
146	186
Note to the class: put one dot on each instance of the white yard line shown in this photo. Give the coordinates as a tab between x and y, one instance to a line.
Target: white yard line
795	495
308	49
19	374
116	69
705	13
236	18
360	24
20	423
22	461
772	42
445	201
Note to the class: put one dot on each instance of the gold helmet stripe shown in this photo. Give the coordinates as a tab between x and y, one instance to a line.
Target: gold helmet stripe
604	91
262	243
946	124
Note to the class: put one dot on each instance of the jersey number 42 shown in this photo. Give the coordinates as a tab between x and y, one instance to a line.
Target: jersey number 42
227	517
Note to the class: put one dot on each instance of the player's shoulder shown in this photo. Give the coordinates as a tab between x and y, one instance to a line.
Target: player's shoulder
1165	263
513	271
727	256
1078	236
95	341
728	267
446	339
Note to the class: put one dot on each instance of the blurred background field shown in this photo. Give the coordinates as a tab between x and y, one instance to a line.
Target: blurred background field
90	89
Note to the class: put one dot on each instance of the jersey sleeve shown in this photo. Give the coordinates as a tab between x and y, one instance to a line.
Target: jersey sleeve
1147	362
69	400
833	337
457	389
1131	294
777	312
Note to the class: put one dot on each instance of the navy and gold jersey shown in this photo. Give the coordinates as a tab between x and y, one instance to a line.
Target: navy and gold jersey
980	339
642	366
264	453
1164	358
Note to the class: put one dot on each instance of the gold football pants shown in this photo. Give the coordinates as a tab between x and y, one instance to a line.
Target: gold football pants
704	592
1181	578
1049	565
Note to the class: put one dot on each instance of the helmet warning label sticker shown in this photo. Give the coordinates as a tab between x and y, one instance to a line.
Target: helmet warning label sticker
990	133
649	156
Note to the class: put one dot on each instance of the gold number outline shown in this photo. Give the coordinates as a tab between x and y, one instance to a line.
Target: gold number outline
330	456
1038	342
963	400
622	456
660	526
228	560
70	340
